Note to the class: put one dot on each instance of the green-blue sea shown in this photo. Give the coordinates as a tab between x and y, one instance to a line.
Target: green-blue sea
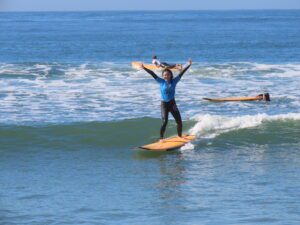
73	111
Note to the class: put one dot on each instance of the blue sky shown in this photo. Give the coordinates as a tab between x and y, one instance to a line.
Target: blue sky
81	5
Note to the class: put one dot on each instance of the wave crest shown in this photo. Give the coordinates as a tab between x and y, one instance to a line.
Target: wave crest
212	125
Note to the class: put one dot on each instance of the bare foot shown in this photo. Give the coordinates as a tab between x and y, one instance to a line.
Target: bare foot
161	140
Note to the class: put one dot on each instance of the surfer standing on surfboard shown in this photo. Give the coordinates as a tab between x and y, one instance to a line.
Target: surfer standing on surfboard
165	65
167	90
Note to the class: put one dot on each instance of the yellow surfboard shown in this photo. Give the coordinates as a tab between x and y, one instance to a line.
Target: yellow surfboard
137	65
265	97
233	99
169	143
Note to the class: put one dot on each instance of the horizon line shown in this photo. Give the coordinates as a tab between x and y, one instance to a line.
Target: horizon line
148	10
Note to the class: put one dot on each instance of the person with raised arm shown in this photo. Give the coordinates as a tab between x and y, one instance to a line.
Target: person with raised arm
165	65
167	90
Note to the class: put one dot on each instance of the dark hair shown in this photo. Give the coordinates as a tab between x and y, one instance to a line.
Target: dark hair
169	71
265	96
154	57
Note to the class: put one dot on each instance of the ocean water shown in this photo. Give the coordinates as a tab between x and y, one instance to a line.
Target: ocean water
73	111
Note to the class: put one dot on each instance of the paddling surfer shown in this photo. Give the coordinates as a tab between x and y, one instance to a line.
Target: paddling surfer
165	65
167	90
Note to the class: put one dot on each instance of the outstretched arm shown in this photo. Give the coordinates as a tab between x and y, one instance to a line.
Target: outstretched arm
149	71
185	69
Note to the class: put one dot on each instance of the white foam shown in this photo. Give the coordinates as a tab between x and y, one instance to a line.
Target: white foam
21	69
278	70
109	91
212	125
188	146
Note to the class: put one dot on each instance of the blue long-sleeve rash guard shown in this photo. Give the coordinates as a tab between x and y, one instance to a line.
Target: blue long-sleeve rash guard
167	88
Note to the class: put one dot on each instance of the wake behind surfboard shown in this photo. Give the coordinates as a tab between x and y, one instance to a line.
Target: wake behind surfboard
169	143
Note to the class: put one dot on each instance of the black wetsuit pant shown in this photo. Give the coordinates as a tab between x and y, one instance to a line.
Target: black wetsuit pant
171	107
167	65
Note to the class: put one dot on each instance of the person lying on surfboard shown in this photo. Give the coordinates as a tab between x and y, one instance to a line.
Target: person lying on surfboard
165	65
167	90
